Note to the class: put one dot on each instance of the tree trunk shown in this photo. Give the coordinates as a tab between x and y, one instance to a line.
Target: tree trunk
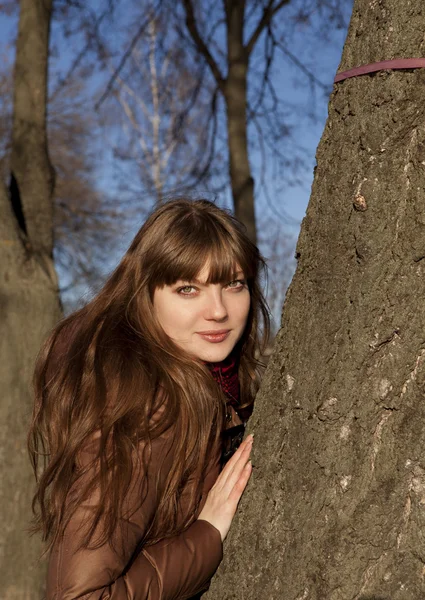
336	506
235	95
234	90
29	303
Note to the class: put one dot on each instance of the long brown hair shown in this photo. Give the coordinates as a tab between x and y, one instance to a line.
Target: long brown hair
105	371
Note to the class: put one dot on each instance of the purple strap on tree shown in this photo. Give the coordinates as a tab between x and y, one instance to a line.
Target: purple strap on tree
397	63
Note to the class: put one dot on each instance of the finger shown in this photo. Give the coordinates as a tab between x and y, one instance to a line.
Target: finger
240	485
235	473
242	452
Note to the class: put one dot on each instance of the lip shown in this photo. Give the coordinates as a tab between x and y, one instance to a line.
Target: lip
214	337
214	332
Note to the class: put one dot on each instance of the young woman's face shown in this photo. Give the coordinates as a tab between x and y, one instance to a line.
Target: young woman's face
206	320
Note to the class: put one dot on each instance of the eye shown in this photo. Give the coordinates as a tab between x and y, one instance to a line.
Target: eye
236	284
187	290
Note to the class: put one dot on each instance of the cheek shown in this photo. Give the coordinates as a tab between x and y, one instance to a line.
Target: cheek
175	315
163	309
247	307
242	308
184	315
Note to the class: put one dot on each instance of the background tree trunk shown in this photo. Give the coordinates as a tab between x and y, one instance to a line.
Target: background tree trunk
336	506
235	95
29	304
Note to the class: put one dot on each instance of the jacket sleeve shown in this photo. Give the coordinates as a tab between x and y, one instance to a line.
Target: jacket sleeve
174	568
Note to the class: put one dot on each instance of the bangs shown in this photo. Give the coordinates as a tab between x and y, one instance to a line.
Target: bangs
189	247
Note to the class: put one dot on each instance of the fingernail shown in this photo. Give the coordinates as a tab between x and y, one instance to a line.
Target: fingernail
250	438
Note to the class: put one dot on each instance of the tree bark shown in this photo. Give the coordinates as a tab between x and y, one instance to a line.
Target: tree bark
335	509
29	304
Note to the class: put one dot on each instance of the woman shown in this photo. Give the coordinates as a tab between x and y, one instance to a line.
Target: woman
133	394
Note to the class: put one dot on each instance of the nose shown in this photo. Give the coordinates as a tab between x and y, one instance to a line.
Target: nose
216	309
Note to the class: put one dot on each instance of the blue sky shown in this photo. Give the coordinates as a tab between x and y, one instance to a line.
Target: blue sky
293	200
290	202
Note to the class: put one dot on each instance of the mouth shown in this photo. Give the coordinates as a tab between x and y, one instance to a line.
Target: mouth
214	337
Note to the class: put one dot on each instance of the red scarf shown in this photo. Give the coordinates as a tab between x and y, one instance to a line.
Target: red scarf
225	373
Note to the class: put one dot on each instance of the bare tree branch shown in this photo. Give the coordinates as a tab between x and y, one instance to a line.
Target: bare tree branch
80	56
201	45
168	109
124	58
269	48
268	14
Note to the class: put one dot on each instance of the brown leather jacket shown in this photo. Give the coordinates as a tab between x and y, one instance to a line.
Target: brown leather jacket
174	568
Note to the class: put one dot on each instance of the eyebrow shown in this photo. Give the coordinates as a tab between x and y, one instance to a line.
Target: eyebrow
237	275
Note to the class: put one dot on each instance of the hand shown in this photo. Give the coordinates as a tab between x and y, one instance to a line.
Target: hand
223	498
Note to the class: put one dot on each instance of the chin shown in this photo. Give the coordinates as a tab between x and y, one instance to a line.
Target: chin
214	354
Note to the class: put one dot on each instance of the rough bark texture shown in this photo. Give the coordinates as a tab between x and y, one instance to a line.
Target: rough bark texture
28	297
336	506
